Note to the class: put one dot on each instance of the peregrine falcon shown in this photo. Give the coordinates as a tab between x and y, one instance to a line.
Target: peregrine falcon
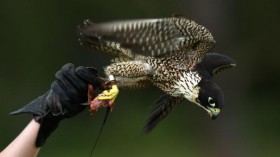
169	53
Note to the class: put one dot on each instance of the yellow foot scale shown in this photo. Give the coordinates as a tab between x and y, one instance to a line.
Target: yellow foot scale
105	99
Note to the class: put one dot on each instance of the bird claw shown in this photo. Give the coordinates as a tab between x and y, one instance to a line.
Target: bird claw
105	99
109	95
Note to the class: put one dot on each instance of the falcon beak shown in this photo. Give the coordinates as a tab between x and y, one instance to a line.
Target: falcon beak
213	112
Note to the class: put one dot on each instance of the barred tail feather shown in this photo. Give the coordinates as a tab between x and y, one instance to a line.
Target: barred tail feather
163	106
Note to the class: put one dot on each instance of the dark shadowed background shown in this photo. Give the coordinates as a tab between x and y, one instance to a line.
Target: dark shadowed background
39	36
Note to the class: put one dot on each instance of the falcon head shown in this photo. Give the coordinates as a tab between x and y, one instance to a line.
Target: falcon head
210	98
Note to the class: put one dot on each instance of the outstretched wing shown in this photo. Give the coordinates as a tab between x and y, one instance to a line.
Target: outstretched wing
147	37
163	106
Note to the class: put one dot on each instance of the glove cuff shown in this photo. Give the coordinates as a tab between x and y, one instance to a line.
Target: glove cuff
47	125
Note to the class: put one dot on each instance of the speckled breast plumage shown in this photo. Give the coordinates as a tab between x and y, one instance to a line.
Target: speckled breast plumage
169	74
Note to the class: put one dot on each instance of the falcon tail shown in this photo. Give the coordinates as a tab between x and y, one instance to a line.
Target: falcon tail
163	106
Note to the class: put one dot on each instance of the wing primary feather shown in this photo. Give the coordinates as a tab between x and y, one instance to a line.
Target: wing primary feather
147	37
94	36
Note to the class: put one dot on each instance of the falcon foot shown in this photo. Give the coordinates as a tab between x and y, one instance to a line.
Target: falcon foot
105	99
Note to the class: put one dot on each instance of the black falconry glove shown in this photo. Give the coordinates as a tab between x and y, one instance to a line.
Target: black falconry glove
63	100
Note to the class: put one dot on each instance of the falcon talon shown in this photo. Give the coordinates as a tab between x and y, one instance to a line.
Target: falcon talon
105	99
112	93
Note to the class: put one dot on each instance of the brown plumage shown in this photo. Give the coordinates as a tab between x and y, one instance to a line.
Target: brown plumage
131	39
164	52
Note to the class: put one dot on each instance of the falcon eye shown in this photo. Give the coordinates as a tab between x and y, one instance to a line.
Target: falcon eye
211	102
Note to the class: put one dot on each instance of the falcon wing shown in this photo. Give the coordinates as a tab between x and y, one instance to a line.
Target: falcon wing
163	106
147	37
214	63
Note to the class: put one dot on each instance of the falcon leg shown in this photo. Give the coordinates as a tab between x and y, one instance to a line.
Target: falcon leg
131	74
131	69
110	95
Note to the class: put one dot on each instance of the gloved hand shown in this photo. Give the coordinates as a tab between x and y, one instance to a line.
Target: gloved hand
63	100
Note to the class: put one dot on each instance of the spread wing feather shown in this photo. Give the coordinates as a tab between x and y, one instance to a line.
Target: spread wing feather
148	37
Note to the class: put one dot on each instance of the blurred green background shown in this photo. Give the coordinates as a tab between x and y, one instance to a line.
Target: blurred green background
39	36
